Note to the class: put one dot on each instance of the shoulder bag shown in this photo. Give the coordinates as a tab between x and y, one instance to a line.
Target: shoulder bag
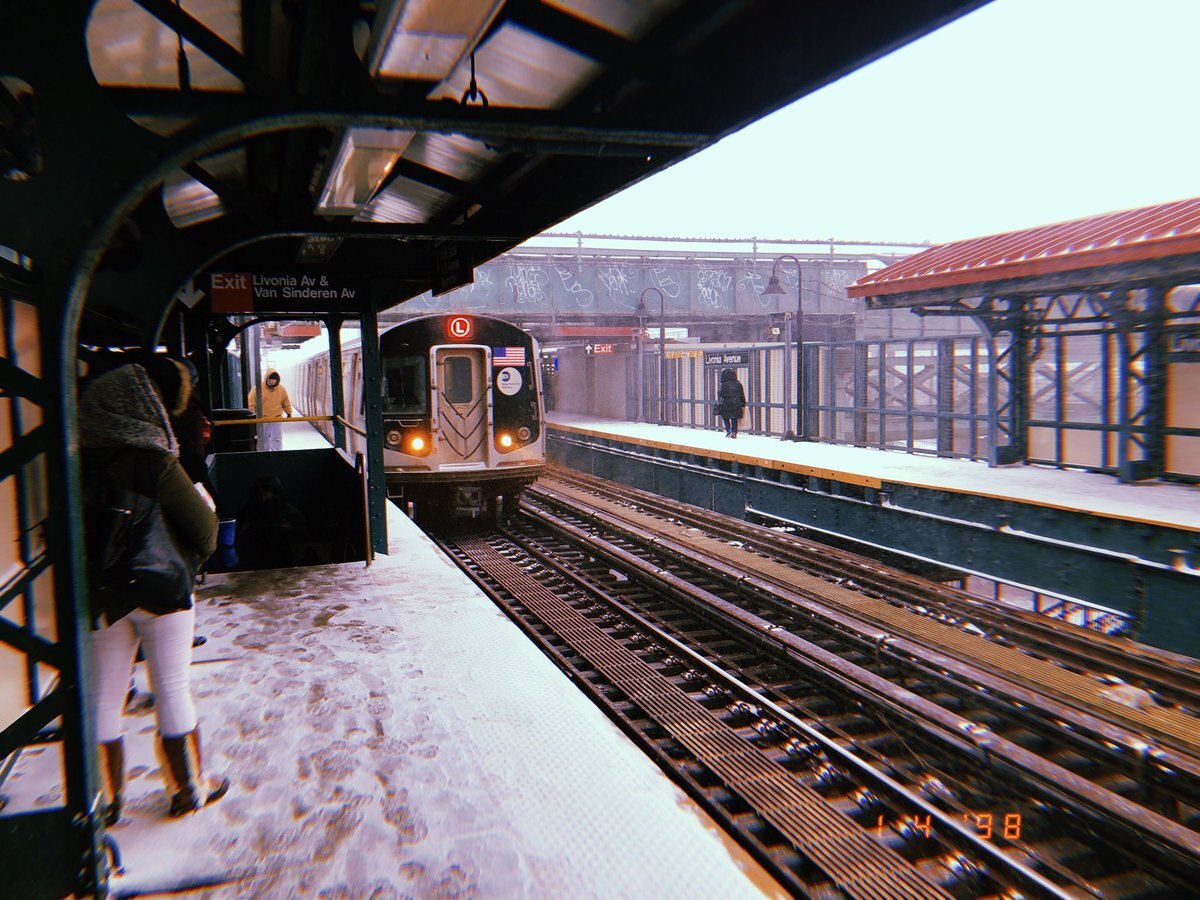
134	558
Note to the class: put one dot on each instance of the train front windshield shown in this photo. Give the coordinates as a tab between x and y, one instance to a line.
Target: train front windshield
406	385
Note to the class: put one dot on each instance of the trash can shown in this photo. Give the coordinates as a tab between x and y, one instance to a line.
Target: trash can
226	529
234	438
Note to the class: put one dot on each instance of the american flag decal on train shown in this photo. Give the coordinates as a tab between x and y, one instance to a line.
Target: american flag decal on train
508	356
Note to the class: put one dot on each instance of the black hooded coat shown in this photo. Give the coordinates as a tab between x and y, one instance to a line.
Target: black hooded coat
731	398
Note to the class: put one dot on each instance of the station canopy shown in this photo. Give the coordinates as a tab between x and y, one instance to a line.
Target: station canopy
410	140
1131	247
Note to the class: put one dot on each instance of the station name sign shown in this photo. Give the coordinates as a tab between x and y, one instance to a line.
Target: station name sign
727	357
451	267
241	292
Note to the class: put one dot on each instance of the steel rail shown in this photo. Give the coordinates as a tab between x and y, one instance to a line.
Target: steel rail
1161	775
1106	809
857	865
1173	676
497	594
837	854
1114	881
991	663
1019	874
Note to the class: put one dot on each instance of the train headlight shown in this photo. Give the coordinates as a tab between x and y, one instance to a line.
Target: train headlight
393	438
524	433
416	444
505	441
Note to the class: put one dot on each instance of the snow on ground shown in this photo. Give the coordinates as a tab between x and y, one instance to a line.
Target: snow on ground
390	733
1152	501
302	436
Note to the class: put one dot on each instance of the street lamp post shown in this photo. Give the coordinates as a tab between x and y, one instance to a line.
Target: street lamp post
662	349
776	288
641	362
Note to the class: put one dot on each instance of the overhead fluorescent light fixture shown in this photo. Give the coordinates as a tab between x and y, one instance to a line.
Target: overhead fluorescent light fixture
517	68
405	201
627	19
188	202
424	40
128	46
363	161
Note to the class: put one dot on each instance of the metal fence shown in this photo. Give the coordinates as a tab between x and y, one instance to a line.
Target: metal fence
944	396
916	395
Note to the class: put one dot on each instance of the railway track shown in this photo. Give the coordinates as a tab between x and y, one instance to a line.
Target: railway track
1058	688
1068	716
1170	678
827	757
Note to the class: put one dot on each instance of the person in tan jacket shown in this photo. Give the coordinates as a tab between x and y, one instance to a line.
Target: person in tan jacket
275	405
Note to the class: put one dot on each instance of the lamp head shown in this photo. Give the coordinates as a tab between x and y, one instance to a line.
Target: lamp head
773	286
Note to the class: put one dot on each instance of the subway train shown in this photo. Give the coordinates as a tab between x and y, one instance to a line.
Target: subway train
463	413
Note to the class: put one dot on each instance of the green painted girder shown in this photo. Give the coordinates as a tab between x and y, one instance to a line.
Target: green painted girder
24	450
23	731
17	587
16	382
34	647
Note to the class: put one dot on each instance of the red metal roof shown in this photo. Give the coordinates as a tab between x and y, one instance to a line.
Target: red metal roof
1152	232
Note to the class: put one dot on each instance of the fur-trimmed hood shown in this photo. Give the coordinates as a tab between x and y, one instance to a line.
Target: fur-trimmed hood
122	409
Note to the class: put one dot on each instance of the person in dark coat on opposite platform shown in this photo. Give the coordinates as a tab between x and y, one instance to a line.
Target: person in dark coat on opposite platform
127	440
731	401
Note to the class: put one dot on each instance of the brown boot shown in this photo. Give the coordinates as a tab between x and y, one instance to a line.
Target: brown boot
112	776
182	771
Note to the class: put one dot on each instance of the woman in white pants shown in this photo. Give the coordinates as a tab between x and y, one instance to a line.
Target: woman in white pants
127	442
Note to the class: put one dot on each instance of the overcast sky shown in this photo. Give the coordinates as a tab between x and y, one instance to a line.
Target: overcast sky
1023	113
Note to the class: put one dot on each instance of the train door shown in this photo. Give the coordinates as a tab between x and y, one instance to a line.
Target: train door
462	410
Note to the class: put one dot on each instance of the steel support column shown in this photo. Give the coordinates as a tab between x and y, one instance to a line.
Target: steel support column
373	409
861	360
1142	381
808	360
337	391
54	851
1008	384
945	396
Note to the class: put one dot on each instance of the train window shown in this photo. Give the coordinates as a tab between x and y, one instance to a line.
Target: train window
405	386
458	387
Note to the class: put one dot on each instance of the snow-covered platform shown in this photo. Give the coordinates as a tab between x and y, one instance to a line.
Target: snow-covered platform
302	436
390	733
1068	539
1155	503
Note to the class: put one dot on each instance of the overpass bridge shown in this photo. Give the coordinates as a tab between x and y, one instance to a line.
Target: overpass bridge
563	286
